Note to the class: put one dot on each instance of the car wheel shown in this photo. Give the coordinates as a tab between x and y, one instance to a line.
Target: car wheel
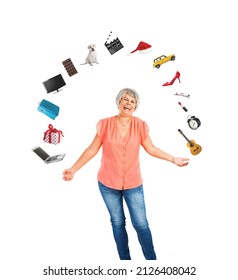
157	66
173	58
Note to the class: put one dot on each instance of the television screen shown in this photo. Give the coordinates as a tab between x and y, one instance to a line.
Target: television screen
54	84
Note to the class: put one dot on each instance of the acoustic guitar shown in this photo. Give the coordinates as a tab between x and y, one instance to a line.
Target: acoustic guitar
195	149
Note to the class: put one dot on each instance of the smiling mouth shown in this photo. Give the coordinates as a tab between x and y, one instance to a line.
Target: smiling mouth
127	108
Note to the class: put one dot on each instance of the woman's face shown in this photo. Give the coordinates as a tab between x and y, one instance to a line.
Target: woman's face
127	105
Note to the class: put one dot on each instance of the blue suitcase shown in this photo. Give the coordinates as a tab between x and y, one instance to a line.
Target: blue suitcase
49	109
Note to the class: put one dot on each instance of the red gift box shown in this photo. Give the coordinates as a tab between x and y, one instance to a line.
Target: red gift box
53	135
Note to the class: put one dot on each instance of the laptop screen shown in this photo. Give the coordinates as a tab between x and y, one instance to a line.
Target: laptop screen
41	153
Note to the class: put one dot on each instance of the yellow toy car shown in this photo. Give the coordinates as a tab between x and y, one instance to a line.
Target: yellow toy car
162	59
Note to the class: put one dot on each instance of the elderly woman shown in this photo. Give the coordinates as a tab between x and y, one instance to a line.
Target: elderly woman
119	176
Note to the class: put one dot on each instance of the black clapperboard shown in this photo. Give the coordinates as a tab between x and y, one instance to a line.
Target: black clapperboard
114	45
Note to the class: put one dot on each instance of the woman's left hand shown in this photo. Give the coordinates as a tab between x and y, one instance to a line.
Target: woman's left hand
181	161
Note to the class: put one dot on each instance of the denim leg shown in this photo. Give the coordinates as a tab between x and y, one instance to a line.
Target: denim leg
114	203
135	202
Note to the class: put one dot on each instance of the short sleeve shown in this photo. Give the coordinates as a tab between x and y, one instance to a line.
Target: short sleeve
100	129
144	131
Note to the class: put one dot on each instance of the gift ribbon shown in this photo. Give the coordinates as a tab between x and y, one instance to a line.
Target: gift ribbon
52	130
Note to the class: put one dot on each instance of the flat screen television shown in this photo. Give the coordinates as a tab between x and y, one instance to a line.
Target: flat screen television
54	84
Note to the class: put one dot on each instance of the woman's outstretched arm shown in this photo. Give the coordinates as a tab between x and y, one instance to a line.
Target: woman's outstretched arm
156	152
85	157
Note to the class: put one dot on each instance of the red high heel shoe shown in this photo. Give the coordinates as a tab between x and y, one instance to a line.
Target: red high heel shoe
177	76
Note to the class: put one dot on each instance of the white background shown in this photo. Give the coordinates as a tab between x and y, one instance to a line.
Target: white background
192	211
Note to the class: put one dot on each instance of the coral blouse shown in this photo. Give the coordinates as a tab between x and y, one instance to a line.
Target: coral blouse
120	166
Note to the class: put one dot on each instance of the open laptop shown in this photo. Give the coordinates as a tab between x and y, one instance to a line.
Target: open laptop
47	158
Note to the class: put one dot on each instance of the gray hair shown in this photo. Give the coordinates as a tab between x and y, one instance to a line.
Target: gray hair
130	92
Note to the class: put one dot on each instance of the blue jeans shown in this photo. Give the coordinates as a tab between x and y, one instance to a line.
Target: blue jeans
134	199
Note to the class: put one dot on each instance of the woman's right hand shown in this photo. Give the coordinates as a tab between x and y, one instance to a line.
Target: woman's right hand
68	174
